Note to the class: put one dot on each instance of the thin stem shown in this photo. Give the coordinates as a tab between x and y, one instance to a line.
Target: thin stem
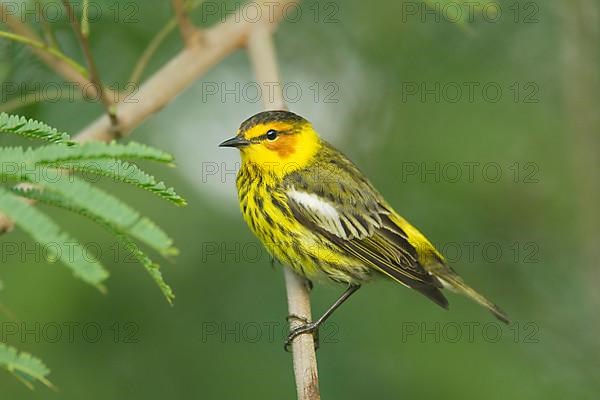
52	56
186	27
85	23
262	56
94	76
154	44
50	50
303	347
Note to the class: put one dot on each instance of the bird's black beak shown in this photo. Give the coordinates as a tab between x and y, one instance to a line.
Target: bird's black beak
235	142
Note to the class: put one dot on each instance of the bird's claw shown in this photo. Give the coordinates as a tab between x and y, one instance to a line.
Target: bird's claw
309	284
308	327
290	317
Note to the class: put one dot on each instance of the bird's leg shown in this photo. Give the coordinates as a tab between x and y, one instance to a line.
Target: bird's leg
313	327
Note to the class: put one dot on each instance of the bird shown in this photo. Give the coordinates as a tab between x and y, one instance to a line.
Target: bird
316	212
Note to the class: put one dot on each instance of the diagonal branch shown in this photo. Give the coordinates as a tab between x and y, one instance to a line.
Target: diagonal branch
162	87
184	69
262	55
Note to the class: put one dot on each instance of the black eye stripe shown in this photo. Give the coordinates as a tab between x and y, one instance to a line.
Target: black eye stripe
260	138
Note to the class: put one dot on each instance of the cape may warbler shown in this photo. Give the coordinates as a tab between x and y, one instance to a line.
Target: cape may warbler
316	212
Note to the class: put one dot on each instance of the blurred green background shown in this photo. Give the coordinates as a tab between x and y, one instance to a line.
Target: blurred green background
379	80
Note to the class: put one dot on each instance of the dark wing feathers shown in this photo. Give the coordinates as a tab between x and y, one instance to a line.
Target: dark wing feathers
332	198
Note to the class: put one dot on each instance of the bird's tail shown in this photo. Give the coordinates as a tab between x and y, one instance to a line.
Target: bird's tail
455	283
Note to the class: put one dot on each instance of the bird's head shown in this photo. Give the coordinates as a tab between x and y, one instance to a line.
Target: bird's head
277	142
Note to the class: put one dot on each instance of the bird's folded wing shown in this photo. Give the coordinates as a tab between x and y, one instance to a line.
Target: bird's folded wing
343	207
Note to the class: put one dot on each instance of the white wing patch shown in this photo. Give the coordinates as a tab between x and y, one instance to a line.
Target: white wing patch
327	216
324	213
314	203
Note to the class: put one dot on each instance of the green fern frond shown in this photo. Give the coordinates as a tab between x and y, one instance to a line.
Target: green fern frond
58	245
108	207
128	173
97	150
55	154
58	200
32	129
51	169
24	366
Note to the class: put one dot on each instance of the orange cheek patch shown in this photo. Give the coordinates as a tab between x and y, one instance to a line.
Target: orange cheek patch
284	146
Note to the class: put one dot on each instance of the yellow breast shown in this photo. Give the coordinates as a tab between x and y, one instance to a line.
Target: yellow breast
264	207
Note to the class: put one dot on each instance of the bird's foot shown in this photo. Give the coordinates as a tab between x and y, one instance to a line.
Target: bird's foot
307	327
290	317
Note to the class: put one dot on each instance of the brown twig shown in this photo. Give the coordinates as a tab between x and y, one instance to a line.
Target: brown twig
182	70
187	29
94	75
48	55
303	346
157	40
262	56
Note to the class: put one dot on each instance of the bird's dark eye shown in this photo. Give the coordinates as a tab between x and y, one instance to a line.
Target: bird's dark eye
272	134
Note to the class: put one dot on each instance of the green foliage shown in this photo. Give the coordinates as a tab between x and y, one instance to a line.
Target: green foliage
31	129
143	228
24	366
55	154
128	173
48	234
48	175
